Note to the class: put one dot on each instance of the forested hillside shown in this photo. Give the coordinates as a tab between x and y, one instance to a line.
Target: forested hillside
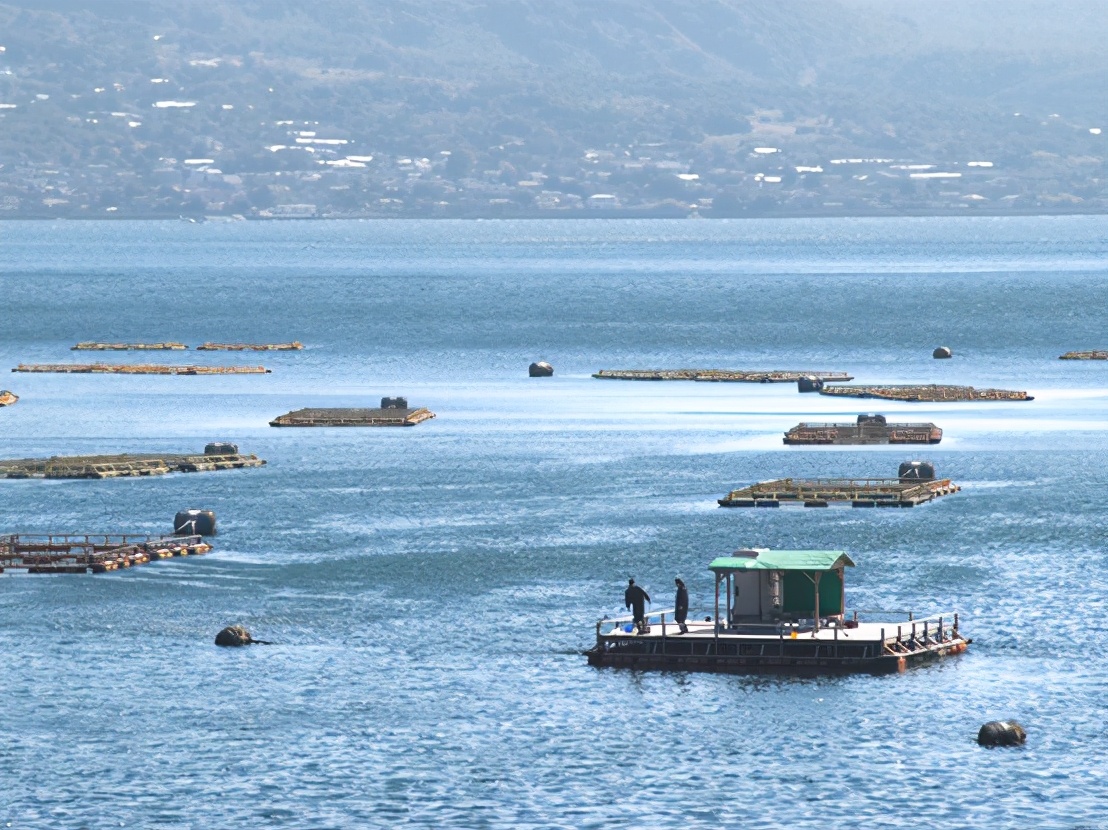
529	107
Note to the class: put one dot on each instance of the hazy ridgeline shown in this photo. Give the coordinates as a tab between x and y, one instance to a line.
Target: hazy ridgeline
517	93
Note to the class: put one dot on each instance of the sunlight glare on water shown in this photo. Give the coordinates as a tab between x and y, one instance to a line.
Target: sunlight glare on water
430	591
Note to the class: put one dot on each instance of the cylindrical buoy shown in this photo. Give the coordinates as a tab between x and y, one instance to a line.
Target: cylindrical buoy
1001	733
942	353
809	383
541	369
233	635
194	523
916	471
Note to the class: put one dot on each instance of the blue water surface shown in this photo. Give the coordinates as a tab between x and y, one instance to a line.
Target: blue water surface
431	590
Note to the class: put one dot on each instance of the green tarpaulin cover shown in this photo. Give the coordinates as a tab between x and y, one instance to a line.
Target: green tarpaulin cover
782	560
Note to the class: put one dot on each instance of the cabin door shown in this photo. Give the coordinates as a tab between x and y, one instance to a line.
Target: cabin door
747	601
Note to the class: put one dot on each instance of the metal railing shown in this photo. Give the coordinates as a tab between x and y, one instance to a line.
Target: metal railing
616	622
915	635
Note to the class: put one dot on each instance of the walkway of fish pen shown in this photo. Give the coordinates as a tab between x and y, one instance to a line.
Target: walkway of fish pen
824	492
138	369
381	417
719	375
78	553
89	346
125	465
1096	354
928	392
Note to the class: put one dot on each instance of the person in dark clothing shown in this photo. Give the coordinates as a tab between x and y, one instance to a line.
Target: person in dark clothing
636	598
681	606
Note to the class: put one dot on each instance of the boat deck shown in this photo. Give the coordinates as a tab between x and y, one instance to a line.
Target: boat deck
777	648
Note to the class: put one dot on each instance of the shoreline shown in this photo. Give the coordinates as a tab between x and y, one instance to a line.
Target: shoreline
599	215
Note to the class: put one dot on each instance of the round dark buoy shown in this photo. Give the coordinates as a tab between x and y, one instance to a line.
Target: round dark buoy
542	369
194	523
221	448
233	635
1001	733
916	471
942	353
808	383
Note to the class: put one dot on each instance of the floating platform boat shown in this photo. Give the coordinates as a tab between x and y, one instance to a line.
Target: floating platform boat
1096	354
7	398
393	412
719	375
930	393
217	456
294	346
69	553
778	612
869	429
138	369
915	484
89	346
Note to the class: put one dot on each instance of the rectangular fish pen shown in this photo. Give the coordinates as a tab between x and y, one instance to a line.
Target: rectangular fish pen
1095	354
933	393
137	369
720	375
868	429
78	553
125	465
89	346
824	492
294	346
377	417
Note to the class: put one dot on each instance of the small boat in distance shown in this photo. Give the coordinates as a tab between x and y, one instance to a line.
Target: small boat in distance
7	398
779	612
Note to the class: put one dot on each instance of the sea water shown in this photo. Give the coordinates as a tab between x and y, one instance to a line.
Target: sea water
430	591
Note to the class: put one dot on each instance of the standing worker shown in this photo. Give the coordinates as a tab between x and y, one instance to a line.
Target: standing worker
681	605
636	598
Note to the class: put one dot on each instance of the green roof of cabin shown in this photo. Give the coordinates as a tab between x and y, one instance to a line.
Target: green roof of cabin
782	560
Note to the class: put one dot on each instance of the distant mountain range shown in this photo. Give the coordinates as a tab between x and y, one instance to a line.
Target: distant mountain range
521	107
